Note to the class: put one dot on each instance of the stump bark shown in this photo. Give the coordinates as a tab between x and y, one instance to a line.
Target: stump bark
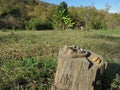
78	72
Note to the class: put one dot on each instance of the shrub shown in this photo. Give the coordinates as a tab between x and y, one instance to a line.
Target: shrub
33	24
115	85
36	24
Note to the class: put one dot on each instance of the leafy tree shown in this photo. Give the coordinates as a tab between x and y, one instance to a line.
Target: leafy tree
77	14
14	13
62	18
63	7
97	20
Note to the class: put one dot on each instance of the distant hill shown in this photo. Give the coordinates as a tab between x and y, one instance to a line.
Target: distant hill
35	14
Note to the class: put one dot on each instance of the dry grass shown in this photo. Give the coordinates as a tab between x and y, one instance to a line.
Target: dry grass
38	43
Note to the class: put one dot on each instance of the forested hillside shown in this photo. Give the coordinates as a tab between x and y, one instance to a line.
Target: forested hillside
38	15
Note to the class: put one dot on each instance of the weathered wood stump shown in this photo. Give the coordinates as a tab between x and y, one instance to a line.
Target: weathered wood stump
78	70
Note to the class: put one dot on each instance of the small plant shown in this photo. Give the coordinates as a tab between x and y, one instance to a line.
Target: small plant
115	85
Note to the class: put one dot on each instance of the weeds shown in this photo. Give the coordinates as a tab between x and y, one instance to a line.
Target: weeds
27	73
115	85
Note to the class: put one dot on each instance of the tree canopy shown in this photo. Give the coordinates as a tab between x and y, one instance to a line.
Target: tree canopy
35	14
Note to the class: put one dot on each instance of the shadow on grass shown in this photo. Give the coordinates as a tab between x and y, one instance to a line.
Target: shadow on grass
107	37
109	75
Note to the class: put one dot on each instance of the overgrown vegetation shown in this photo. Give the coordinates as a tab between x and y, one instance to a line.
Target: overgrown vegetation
35	14
27	73
28	58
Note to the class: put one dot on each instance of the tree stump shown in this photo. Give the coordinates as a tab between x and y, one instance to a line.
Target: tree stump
78	69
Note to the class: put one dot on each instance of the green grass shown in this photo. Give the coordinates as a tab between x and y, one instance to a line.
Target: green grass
44	46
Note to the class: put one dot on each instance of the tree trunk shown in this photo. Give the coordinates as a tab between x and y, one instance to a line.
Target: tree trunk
77	70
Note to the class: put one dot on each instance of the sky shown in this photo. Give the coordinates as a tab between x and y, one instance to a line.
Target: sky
99	4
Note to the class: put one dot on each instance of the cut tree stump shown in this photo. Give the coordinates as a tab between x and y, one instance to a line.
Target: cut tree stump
78	69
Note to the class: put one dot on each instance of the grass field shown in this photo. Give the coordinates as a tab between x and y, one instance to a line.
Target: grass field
26	57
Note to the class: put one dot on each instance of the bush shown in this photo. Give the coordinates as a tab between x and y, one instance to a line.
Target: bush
111	77
36	24
115	85
33	24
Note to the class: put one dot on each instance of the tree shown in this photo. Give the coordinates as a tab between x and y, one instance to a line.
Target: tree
63	7
14	13
62	18
107	7
97	19
86	17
